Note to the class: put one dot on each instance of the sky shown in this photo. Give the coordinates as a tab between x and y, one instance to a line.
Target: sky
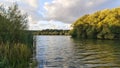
58	14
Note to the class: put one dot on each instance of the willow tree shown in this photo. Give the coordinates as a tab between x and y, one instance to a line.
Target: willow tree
13	24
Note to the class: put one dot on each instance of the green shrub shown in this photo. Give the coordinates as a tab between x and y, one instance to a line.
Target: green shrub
103	24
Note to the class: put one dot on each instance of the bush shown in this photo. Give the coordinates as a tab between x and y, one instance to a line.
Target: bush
15	41
103	24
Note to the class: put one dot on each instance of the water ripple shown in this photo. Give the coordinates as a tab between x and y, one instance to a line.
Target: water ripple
64	52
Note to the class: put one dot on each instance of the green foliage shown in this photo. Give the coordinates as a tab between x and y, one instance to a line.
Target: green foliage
51	32
103	24
12	25
15	42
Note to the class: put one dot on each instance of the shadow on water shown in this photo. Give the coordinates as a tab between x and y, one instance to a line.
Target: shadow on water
98	53
64	52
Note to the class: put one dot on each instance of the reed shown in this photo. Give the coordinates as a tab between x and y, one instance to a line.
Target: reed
15	55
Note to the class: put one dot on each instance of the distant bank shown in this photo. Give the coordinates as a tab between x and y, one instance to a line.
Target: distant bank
51	32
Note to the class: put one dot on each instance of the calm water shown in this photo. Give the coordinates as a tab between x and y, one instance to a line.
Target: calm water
65	52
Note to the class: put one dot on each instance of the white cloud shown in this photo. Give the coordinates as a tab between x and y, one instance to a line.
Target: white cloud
69	10
32	3
27	6
66	11
49	25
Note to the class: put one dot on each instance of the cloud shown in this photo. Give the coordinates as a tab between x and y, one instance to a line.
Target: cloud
26	6
64	11
69	10
32	3
49	25
31	8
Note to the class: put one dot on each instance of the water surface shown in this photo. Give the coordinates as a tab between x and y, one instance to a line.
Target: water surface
65	52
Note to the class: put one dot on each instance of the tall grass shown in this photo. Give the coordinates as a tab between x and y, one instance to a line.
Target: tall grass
15	55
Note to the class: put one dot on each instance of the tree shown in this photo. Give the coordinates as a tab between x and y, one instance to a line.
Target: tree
13	24
103	24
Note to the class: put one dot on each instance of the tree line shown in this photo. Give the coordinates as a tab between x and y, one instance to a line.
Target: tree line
104	24
51	32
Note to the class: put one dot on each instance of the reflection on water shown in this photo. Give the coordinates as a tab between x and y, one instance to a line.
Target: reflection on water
65	52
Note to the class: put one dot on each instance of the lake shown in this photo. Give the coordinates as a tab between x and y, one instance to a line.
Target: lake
65	52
